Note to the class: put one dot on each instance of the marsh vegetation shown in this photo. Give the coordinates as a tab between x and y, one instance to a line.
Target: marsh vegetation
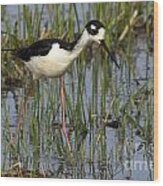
109	111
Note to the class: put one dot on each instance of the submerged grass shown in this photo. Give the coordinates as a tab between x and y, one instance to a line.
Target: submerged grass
97	95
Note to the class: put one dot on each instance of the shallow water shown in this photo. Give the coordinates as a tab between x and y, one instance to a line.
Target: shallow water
94	89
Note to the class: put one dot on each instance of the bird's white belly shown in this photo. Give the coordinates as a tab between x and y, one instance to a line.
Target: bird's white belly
42	67
52	65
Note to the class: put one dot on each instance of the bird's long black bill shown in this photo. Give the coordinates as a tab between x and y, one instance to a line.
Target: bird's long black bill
113	58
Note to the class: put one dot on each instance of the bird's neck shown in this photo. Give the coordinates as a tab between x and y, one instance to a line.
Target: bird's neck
80	44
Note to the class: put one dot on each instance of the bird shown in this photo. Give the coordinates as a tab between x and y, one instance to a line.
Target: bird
52	57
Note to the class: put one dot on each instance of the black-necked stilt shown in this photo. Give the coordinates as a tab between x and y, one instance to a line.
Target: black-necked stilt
52	57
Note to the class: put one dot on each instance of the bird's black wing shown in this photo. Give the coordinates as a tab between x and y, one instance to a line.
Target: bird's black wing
39	48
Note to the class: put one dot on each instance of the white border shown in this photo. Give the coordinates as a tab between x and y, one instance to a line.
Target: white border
41	182
61	1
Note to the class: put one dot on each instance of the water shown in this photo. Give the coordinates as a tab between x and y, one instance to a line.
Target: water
94	89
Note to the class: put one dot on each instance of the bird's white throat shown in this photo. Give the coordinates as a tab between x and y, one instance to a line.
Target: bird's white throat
80	45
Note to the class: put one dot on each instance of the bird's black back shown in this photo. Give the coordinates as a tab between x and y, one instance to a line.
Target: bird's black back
42	48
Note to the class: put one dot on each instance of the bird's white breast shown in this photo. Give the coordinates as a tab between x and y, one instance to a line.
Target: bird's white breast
52	65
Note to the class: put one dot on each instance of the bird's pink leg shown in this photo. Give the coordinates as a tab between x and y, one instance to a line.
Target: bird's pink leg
64	129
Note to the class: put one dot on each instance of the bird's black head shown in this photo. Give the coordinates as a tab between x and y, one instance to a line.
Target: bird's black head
96	32
94	26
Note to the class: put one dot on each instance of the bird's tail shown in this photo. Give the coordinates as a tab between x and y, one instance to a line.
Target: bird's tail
8	49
